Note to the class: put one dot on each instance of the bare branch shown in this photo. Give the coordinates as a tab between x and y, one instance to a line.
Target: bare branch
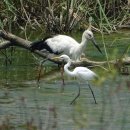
14	40
5	44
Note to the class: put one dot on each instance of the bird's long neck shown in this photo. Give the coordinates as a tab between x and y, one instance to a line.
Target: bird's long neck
83	43
66	69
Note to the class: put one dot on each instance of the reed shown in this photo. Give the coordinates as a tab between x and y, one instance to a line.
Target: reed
65	15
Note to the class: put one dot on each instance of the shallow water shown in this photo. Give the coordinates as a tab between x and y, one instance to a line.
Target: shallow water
25	104
47	108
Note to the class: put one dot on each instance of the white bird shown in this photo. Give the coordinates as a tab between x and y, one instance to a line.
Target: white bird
63	44
81	73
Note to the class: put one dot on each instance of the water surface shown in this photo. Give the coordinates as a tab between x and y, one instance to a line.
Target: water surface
24	104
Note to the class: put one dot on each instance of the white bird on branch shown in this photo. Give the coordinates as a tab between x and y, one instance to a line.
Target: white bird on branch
63	44
81	73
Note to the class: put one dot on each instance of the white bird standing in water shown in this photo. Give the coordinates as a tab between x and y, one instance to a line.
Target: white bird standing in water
63	44
81	73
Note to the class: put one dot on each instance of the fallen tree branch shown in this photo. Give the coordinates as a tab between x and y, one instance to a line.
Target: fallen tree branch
13	40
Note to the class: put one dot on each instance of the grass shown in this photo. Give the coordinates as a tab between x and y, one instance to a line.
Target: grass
63	16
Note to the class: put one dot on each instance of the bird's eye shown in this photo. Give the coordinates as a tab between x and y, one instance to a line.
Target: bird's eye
62	58
89	35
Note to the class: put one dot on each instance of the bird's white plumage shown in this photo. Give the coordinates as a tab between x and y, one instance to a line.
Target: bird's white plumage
81	73
69	46
65	44
61	43
84	74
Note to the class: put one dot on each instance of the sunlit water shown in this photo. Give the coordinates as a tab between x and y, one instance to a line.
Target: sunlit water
26	104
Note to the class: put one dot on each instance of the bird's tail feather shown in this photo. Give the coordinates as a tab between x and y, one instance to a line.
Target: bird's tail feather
38	45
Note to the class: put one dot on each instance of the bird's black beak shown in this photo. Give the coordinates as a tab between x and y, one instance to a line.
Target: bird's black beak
95	44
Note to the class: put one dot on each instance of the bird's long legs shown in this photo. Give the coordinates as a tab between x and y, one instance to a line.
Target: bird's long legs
92	93
40	70
62	76
62	73
76	96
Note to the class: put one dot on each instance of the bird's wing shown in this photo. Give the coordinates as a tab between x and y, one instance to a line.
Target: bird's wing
84	73
61	43
38	45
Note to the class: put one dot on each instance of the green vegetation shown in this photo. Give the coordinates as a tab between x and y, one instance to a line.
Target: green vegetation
63	16
30	95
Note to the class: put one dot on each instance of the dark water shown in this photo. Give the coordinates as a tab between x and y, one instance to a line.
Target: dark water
24	104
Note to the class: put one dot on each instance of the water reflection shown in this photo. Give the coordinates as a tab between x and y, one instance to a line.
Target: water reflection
48	108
